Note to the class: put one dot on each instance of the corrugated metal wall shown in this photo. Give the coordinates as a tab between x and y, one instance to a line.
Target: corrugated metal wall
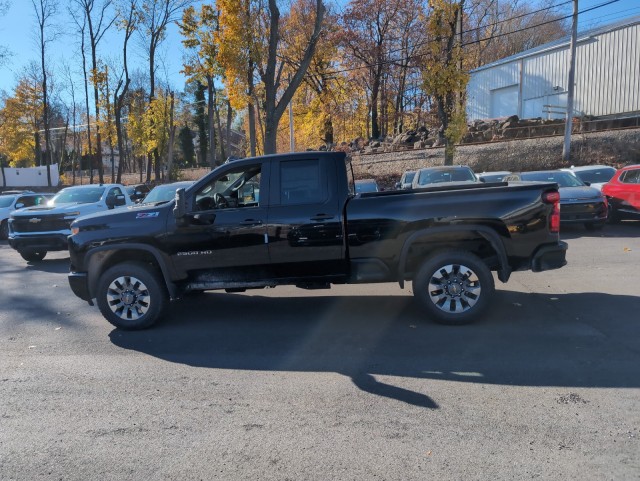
607	78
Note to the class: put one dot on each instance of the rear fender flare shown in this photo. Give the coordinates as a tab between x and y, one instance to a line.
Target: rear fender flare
486	232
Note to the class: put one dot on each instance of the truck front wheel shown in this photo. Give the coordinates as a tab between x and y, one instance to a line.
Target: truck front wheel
131	296
33	256
454	287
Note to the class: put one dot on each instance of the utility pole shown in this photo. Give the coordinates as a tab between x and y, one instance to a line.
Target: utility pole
566	148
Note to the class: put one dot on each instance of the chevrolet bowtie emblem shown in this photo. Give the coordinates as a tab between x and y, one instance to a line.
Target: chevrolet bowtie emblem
35	220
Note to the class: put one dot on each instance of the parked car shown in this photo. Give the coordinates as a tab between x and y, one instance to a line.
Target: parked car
17	200
439	175
623	193
406	180
579	203
137	192
593	175
33	231
366	185
164	192
496	176
304	229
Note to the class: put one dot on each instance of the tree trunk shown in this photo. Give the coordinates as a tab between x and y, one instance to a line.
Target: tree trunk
251	112
210	116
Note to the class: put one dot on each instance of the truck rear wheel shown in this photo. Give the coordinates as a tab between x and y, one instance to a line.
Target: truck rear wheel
454	287
131	296
33	256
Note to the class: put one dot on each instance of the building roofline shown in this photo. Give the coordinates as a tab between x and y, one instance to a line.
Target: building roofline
564	41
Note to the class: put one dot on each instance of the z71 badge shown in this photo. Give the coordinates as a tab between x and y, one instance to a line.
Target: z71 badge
146	215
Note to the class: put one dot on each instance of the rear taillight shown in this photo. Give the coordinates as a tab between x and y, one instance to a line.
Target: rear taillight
553	197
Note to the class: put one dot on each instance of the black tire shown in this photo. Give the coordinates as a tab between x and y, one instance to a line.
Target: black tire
33	256
4	229
613	217
594	225
131	296
469	279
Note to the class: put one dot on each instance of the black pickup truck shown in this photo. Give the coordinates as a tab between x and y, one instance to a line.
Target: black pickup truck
293	219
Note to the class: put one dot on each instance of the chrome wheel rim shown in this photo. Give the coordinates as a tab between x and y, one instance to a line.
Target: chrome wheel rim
454	288
128	298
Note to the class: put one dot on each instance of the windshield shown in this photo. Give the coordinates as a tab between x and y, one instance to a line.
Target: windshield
563	179
162	193
596	175
6	200
78	195
408	177
445	175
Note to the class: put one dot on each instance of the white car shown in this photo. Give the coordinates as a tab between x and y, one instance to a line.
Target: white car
14	201
33	231
593	175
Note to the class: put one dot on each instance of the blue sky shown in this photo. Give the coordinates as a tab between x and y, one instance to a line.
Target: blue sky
17	33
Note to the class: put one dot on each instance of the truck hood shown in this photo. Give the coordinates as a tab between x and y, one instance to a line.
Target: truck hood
129	213
70	209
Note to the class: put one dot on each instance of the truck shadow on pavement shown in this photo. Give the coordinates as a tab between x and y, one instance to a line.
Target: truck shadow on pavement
569	340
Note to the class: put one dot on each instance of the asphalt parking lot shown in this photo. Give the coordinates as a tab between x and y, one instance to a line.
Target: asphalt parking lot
349	383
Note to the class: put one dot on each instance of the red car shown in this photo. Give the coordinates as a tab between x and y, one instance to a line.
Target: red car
623	192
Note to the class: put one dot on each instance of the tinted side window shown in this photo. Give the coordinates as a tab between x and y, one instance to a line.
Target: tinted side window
631	177
302	182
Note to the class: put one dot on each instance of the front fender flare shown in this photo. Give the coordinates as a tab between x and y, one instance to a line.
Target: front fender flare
95	261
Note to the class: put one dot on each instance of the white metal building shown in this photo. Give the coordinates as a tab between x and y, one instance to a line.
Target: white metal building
534	83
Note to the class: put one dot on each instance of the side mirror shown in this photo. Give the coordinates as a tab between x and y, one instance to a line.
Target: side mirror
587	183
482	179
180	209
120	200
398	185
19	205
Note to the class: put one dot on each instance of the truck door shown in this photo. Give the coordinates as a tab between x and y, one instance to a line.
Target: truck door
225	233
305	219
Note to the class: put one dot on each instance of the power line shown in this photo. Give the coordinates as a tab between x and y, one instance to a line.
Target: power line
411	57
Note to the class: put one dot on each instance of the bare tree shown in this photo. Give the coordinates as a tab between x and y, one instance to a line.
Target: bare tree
98	20
128	24
45	10
4	52
271	74
155	16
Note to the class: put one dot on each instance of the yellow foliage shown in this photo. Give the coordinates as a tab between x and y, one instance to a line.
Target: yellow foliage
19	121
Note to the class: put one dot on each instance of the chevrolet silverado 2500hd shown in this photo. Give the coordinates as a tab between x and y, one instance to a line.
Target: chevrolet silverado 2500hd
293	219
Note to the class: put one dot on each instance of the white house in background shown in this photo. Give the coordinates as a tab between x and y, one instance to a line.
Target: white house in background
534	83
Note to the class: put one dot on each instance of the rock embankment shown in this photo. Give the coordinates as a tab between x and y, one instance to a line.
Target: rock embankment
615	147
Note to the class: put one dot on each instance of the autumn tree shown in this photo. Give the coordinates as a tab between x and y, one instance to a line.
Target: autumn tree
366	38
21	120
239	50
197	28
444	75
278	92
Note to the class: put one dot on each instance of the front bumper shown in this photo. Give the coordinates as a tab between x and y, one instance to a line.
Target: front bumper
79	283
45	242
549	257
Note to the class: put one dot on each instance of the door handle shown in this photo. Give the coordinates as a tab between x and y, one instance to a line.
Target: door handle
251	222
322	217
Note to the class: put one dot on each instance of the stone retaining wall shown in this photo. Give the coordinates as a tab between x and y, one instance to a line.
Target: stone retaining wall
617	148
